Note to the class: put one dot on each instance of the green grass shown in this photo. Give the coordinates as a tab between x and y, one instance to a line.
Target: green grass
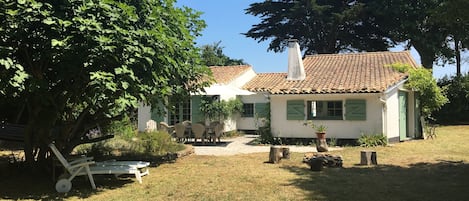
415	170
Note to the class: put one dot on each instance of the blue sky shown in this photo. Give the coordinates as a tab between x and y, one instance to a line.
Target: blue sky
226	20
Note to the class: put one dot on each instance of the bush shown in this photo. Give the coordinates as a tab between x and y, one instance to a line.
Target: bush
372	140
457	90
125	128
153	143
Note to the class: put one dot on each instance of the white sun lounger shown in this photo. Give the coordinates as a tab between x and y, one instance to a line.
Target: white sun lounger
86	166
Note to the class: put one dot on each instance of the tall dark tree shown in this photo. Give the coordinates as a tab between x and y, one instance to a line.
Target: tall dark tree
71	64
321	26
412	23
453	15
212	55
437	29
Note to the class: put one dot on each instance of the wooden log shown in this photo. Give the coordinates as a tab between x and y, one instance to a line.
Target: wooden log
275	154
368	157
321	145
316	164
285	152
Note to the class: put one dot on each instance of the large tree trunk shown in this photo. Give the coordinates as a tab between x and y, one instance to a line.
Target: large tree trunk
427	56
457	53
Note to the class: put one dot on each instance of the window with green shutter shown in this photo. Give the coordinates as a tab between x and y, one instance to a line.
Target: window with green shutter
355	110
295	110
262	109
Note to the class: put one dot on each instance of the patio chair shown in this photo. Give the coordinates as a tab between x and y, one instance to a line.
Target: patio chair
428	129
198	130
218	130
86	166
166	128
180	130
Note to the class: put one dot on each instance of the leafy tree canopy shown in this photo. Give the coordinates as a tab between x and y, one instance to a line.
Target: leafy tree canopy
431	96
320	26
71	64
456	110
212	55
437	29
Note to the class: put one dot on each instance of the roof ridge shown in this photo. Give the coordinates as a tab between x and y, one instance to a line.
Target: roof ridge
358	53
231	66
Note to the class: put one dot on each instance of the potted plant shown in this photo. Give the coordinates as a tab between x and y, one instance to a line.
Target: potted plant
320	131
321	144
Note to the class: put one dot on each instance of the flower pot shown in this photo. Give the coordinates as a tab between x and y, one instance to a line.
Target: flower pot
321	135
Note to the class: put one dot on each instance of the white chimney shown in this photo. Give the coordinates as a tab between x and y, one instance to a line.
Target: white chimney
296	70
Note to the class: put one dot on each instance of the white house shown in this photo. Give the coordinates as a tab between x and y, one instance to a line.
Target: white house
228	83
351	94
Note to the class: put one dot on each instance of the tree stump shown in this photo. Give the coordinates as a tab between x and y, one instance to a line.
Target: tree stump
286	153
321	145
368	157
316	164
277	153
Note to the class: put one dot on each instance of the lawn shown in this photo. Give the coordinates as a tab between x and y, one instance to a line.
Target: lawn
435	169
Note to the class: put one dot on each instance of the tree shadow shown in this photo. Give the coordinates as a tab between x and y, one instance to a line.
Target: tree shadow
445	180
18	182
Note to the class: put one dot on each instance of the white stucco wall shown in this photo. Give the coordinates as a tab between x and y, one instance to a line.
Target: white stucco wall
249	123
392	114
281	127
144	115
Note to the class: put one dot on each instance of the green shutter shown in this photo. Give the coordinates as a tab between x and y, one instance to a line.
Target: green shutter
355	110
158	112
262	109
295	110
197	115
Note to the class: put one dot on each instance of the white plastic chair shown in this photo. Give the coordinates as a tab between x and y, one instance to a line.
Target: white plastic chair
86	166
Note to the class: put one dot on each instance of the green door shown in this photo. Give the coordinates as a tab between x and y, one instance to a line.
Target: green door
402	115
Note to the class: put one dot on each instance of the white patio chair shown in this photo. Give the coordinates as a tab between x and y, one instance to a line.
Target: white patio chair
86	166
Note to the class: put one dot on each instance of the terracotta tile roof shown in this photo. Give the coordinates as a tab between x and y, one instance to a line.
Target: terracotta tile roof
338	73
226	74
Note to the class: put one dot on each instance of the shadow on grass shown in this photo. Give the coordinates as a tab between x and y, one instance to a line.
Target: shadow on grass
17	182
445	180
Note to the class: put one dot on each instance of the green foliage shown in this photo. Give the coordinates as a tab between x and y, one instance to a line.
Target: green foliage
212	55
372	140
456	110
318	128
319	26
124	128
431	96
153	143
73	63
220	109
437	29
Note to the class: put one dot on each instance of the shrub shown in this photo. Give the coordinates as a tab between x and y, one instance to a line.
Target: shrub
153	143
372	140
125	128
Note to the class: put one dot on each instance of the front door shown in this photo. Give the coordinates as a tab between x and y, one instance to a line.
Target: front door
403	115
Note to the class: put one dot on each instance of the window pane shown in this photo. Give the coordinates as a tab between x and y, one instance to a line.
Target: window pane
324	109
248	110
